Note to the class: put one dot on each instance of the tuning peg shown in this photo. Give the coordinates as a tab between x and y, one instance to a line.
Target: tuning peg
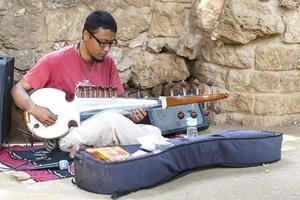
79	91
171	86
180	114
115	91
85	91
138	87
210	82
196	85
110	92
126	87
184	86
94	91
193	114
217	110
90	91
206	112
105	91
97	91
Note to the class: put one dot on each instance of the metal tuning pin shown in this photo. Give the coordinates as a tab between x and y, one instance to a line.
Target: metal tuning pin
105	92
171	86
180	114
93	91
217	110
90	91
101	91
210	82
138	87
193	114
126	87
196	85
110	92
96	91
115	92
79	91
206	112
85	91
184	86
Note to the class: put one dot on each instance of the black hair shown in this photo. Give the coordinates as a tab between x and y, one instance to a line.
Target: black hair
100	19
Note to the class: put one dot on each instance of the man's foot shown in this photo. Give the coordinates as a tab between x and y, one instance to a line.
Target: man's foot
75	148
50	145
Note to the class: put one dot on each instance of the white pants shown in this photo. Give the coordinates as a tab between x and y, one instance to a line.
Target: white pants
107	128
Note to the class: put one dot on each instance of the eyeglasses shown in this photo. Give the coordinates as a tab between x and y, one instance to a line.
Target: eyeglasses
104	43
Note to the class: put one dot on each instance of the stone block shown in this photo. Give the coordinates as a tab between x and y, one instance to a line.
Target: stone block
263	82
108	5
244	20
289	4
277	104
132	21
292	26
56	4
154	69
206	14
158	44
254	121
60	27
167	20
189	46
238	102
178	1
206	71
237	56
33	6
24	32
273	56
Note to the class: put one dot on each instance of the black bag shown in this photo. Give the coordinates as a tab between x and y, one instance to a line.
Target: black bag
238	148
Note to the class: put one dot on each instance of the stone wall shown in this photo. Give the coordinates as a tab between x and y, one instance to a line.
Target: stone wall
254	53
250	48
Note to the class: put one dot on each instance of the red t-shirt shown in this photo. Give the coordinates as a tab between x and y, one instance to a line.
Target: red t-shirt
64	69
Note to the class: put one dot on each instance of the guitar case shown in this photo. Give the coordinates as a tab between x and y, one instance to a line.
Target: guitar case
235	148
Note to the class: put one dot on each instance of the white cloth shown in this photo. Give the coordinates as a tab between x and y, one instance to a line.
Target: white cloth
108	128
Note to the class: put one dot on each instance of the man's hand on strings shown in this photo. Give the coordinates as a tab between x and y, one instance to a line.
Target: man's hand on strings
43	115
137	115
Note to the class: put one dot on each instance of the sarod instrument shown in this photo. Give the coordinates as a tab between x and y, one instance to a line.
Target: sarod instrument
69	112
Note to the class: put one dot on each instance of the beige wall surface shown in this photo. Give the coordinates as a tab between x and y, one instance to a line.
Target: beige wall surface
249	48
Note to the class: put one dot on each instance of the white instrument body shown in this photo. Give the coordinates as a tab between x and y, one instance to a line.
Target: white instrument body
55	100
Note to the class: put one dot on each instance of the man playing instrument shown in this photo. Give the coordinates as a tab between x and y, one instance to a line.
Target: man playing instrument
84	62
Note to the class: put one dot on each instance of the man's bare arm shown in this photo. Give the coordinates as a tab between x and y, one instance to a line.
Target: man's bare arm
21	98
20	95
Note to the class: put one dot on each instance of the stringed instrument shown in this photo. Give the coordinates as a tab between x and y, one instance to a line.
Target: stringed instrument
89	101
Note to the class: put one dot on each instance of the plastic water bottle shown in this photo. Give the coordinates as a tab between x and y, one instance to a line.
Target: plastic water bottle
191	124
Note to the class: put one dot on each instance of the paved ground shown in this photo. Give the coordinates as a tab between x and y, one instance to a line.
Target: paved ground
280	180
